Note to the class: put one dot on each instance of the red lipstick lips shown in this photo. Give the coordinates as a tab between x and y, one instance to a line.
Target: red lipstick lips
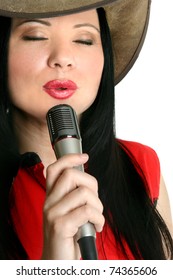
60	89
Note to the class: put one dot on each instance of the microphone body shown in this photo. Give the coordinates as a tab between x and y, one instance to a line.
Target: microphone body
65	138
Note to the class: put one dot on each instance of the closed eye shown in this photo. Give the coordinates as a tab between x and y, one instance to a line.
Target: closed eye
84	42
32	38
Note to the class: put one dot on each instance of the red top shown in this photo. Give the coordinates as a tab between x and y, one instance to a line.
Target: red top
28	194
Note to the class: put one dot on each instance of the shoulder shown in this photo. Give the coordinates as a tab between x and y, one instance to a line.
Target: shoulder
148	161
141	152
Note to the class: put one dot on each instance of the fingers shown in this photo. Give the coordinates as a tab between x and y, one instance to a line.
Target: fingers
56	169
71	201
79	206
74	185
74	190
65	227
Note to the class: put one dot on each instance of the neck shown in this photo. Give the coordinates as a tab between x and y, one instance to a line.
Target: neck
33	136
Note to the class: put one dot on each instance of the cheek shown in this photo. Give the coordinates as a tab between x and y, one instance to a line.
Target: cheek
92	77
24	62
18	68
94	67
97	69
19	65
23	72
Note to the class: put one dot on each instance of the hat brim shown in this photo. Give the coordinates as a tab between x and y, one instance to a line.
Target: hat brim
127	19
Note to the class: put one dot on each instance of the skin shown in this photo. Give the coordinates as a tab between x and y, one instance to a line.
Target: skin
41	51
52	56
63	48
163	205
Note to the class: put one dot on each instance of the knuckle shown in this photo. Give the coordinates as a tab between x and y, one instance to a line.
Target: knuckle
49	171
47	214
95	184
101	206
56	226
102	220
68	174
52	222
87	211
82	191
45	208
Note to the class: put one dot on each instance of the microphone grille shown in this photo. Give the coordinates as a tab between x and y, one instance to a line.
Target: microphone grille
62	123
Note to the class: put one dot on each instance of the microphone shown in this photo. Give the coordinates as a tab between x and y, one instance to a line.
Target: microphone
65	138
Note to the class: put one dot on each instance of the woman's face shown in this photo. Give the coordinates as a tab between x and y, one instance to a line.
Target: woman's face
55	61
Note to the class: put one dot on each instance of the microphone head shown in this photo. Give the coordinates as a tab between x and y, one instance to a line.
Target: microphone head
62	123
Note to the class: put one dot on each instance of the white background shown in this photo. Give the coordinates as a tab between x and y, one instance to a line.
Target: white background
144	99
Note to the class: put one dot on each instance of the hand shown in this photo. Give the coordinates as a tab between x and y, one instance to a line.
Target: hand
71	201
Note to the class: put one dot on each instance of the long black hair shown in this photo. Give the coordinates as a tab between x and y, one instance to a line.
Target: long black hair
128	208
10	247
122	190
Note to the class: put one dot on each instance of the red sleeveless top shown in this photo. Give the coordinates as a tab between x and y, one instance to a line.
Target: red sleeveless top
27	197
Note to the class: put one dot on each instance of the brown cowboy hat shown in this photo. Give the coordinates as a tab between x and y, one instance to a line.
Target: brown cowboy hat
127	19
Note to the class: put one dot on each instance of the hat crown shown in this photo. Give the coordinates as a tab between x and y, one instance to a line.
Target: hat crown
40	7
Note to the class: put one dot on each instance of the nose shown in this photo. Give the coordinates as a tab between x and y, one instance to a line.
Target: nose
62	58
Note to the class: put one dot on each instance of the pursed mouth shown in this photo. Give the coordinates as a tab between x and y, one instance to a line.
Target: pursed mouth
61	85
60	89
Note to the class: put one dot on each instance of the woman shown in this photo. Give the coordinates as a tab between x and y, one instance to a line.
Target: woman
48	60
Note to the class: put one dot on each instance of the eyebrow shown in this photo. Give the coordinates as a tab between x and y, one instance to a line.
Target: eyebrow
86	24
47	23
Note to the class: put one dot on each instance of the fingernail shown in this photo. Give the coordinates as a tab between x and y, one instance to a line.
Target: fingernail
84	156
